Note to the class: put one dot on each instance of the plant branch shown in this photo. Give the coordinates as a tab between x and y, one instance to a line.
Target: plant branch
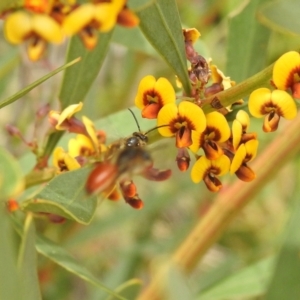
243	89
228	204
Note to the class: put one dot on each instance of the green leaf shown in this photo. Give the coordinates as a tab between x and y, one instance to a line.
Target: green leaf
52	142
65	195
249	282
8	4
8	259
286	277
78	80
161	25
281	16
133	39
61	257
11	180
27	263
247	43
27	89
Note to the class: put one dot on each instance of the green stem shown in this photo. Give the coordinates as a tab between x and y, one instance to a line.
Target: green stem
237	92
228	204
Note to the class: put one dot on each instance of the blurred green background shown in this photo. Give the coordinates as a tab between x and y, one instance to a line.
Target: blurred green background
122	243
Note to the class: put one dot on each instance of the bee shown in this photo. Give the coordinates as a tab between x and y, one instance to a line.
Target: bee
126	159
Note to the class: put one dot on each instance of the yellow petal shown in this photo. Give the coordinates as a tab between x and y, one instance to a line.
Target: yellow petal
80	146
53	117
67	113
106	15
78	18
71	162
251	149
152	91
191	34
286	105
36	48
58	155
146	85
89	37
164	88
222	164
47	28
63	161
197	139
200	168
17	26
166	115
90	128
238	158
216	122
243	117
237	132
194	114
216	77
285	68
219	77
257	101
119	4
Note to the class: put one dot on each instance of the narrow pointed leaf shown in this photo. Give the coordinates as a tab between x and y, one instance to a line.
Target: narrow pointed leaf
11	180
78	80
27	263
64	259
65	195
8	266
244	284
161	25
282	16
247	43
27	89
52	142
61	257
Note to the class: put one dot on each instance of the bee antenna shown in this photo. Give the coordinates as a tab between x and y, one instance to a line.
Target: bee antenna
136	121
155	128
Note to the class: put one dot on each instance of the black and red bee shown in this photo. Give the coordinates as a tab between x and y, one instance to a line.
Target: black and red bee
126	159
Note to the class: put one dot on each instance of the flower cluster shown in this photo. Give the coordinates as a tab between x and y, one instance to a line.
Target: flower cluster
40	22
114	164
277	103
218	148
